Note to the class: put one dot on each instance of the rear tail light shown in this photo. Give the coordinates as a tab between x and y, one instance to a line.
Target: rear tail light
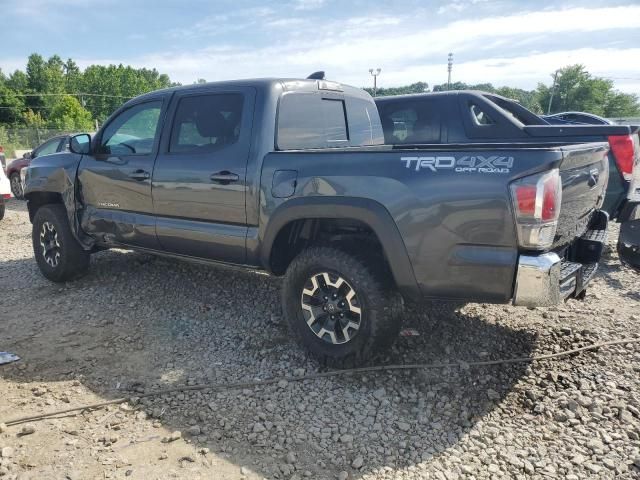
623	151
1	149
633	194
536	201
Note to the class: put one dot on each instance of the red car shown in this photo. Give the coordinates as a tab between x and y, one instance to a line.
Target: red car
53	145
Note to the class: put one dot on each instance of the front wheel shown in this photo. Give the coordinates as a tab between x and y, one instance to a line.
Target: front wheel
16	186
343	308
59	255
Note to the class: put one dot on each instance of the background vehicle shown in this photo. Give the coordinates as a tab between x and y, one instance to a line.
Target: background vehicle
5	192
292	177
53	145
576	118
471	117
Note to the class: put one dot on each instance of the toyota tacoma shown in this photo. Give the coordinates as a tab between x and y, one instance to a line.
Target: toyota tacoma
292	177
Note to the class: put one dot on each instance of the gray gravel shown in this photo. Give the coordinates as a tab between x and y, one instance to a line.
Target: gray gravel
138	323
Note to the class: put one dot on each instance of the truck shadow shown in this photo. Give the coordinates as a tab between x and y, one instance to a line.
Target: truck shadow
613	271
138	323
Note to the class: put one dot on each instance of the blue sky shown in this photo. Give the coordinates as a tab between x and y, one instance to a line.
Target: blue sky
505	42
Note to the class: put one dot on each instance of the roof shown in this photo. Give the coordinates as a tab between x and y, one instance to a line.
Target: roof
258	83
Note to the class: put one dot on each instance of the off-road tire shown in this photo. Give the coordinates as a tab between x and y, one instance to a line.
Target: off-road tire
17	191
381	304
2	207
73	260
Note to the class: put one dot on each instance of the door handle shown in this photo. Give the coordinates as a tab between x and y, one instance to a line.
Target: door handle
140	175
225	177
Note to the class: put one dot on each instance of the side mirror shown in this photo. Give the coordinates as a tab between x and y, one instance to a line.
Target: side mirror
28	155
80	143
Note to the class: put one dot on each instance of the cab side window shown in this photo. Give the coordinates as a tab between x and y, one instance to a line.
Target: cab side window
479	116
133	131
413	122
205	123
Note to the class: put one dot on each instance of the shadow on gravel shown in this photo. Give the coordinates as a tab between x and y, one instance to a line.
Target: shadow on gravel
138	323
611	268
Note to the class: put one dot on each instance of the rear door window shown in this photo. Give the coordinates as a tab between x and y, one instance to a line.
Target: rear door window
205	123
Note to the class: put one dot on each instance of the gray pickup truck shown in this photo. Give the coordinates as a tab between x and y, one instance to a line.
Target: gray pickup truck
293	177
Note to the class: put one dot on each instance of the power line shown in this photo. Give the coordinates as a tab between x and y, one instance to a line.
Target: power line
68	94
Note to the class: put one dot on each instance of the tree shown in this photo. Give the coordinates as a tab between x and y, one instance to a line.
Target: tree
577	90
418	87
11	106
72	76
68	114
528	99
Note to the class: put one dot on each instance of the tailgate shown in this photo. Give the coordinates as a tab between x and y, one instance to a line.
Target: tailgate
584	171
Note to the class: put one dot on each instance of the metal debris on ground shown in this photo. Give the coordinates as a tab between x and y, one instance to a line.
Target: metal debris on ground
6	357
409	332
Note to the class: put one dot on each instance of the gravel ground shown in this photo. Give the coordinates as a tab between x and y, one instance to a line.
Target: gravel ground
138	323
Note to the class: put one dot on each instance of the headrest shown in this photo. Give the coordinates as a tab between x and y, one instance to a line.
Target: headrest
211	124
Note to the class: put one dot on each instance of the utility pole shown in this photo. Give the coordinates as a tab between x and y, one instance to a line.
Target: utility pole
374	74
449	68
553	89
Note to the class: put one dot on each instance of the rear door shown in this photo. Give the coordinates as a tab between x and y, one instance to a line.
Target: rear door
199	180
115	181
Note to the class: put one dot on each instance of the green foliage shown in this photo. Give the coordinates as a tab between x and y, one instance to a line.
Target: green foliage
33	120
577	90
112	85
56	94
68	114
418	87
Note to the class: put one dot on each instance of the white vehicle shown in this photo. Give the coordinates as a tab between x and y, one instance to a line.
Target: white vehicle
5	191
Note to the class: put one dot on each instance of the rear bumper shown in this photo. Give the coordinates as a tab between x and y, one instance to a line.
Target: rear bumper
548	279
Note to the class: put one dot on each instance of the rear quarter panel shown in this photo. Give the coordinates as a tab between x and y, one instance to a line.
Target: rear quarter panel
457	225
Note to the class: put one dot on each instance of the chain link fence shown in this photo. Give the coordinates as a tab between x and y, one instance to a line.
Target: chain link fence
25	139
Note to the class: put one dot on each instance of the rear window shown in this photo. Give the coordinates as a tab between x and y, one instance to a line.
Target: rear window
412	122
516	111
307	120
479	116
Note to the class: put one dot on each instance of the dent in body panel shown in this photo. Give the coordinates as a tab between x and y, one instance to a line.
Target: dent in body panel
118	227
57	174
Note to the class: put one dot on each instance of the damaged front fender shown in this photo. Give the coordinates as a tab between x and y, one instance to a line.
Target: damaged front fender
52	179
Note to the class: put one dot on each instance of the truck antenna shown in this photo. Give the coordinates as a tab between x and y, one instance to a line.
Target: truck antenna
316	76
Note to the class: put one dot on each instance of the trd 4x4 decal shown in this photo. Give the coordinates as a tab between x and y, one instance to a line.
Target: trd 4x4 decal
465	164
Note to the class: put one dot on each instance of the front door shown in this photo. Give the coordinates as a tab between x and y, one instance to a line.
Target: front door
115	181
199	180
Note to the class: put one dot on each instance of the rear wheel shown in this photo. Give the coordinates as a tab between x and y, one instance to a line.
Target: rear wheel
2	207
342	307
16	186
59	255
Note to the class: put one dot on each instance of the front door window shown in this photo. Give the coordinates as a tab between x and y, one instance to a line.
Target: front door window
133	132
